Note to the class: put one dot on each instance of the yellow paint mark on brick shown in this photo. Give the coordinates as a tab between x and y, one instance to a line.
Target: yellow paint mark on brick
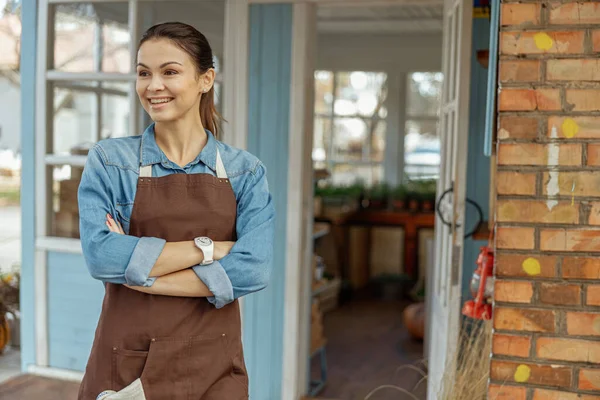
596	325
570	128
543	41
532	266
522	373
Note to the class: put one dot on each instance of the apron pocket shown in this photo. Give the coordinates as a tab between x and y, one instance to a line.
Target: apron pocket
166	374
238	371
208	362
127	366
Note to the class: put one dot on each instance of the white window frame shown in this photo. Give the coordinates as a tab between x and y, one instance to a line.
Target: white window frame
330	162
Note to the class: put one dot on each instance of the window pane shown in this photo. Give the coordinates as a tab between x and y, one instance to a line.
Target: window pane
65	213
421	149
359	93
323	92
321	141
378	141
423	94
73	119
92	37
115	116
349	139
347	174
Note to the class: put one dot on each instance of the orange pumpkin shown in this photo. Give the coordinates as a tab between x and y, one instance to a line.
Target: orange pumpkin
4	334
414	320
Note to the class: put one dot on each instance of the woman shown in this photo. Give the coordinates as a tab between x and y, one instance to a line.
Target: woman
178	226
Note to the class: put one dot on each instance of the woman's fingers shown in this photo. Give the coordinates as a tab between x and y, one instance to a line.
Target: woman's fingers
113	226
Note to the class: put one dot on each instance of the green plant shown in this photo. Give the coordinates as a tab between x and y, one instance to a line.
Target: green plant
400	192
379	191
9	292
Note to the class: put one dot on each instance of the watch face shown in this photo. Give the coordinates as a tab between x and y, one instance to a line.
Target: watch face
204	241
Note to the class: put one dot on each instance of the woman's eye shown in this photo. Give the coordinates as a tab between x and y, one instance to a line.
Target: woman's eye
170	72
142	73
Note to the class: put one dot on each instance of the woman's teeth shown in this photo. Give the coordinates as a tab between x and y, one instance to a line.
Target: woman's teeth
159	101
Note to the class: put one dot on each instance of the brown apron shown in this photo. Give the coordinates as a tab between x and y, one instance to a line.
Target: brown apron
182	348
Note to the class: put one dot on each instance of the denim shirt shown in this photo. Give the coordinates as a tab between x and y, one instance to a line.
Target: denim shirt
108	186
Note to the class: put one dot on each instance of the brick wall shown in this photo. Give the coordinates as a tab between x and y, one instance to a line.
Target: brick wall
546	342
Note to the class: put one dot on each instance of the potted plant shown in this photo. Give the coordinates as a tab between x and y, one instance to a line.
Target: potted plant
399	196
9	309
378	195
413	195
428	195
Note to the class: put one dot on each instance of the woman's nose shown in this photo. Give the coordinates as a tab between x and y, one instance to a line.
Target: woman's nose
156	83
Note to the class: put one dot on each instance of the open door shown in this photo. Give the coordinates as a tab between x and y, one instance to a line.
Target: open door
444	281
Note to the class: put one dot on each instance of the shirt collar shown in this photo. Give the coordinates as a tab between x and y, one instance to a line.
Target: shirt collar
150	153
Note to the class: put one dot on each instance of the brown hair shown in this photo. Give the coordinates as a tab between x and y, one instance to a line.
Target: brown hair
190	40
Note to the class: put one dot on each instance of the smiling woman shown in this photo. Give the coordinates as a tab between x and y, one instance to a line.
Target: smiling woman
178	226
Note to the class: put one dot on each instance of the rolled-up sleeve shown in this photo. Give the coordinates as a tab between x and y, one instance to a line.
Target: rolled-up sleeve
110	257
248	266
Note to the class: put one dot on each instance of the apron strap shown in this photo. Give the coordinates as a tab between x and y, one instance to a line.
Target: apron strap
221	173
146	171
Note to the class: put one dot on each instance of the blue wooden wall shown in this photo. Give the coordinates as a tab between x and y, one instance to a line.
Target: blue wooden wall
478	165
74	305
268	138
28	57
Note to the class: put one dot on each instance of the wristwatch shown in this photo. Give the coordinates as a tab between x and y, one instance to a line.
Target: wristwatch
207	246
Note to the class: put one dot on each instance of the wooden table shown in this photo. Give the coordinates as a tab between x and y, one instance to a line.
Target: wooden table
411	222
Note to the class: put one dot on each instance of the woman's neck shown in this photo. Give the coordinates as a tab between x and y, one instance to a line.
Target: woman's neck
181	140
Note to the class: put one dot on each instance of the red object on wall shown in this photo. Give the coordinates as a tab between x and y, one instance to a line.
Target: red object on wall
482	286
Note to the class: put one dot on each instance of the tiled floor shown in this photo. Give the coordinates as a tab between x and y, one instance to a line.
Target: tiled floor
366	344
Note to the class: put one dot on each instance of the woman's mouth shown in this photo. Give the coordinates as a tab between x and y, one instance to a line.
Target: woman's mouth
159	102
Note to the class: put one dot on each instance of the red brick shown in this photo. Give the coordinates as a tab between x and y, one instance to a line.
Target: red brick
559	294
511	345
583	324
575	127
544	394
529	100
514	238
520	14
537	154
513	291
587	183
584	99
568	349
575	13
518	319
515	183
519	71
517	127
596	41
593	295
589	379
581	268
550	375
573	70
511	265
536	211
570	240
594	218
513	43
505	392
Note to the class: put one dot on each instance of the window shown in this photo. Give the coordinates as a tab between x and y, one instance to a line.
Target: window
350	125
421	141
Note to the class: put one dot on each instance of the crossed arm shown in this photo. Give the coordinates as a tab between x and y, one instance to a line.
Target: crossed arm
174	277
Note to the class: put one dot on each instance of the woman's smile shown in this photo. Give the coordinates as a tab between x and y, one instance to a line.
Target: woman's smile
157	103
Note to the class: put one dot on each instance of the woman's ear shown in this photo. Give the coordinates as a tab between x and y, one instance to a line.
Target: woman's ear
207	79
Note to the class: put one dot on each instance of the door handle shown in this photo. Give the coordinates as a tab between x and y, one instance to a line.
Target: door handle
467	201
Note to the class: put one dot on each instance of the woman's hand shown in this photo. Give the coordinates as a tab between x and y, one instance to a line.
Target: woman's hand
114	226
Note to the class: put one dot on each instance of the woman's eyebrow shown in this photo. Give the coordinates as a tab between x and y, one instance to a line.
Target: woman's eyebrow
161	65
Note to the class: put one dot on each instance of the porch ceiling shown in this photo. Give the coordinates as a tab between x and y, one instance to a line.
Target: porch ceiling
382	19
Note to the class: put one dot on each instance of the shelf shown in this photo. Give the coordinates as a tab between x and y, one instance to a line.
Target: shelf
320	229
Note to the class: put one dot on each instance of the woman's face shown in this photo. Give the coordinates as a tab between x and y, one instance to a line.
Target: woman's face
167	81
